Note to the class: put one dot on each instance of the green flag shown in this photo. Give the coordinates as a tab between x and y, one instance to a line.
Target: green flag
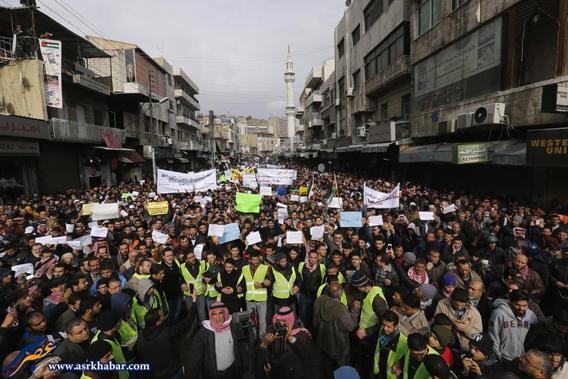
248	203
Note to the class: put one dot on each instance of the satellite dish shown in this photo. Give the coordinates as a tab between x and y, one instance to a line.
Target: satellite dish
347	3
321	167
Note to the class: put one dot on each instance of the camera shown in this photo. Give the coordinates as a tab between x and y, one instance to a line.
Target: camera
280	329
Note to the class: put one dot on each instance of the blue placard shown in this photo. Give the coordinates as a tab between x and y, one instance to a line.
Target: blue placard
351	219
231	233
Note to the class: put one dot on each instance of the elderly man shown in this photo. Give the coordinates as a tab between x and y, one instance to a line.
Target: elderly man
531	277
478	299
533	364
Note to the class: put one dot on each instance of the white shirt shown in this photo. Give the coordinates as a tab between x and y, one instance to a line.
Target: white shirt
224	352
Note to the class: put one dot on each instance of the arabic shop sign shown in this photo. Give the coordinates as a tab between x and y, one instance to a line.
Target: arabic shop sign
13	126
547	147
470	153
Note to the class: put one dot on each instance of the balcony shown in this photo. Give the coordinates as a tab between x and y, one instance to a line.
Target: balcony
314	78
190	146
316	146
73	131
315	122
189	100
88	79
388	131
180	73
300	128
315	97
398	71
157	140
187	121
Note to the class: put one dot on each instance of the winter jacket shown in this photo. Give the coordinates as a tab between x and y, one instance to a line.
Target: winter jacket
333	322
471	318
414	324
508	331
542	332
156	347
534	283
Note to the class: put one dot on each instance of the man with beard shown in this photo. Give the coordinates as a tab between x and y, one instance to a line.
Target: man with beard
509	324
333	322
285	283
74	347
391	346
533	364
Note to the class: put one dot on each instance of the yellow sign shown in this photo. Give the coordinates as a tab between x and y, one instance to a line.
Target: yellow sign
86	210
158	208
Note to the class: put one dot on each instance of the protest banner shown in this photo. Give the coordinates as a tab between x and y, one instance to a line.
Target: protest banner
269	176
248	202
104	211
381	200
158	208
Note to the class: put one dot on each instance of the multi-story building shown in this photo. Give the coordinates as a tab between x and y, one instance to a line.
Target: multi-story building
57	128
489	96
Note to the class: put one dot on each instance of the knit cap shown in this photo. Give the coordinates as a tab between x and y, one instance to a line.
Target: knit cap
448	280
429	291
409	257
359	279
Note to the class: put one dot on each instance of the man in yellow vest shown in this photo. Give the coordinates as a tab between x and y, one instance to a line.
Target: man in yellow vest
374	305
391	347
284	283
413	365
332	271
107	323
257	281
98	351
311	274
192	271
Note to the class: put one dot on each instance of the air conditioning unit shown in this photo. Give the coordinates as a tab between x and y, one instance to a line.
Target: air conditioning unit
350	91
324	142
464	120
169	141
337	102
489	114
361	131
446	127
333	135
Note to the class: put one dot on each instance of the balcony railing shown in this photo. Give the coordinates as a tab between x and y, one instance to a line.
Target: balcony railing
189	100
314	77
190	145
315	122
315	97
156	140
73	131
25	48
400	69
187	121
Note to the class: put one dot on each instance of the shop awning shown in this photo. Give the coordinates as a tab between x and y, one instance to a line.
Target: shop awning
182	160
341	149
113	148
511	152
427	153
123	159
354	148
376	147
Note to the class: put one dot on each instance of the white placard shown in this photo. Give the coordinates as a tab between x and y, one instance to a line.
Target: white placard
69	228
375	220
336	203
216	230
58	240
253	238
104	211
294	238
426	216
123	213
135	193
317	232
280	205
381	200
26	268
159	237
198	250
303	199
175	182
85	240
266	190
449	209
99	232
249	180
45	240
93	224
294	198
267	176
75	245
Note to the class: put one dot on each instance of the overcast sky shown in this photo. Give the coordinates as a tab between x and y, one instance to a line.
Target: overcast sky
235	50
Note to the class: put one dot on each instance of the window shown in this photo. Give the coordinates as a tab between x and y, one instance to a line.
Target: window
384	111
387	52
428	15
457	3
405	107
356	35
356	78
172	132
340	49
372	13
169	78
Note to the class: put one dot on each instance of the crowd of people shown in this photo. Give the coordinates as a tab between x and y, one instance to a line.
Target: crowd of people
479	290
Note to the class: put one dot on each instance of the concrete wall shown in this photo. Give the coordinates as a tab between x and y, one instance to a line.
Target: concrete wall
22	90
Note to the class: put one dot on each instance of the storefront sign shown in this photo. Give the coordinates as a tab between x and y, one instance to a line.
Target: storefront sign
14	126
555	97
18	147
547	147
471	153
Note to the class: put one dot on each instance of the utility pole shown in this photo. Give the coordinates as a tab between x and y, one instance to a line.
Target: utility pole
212	137
150	81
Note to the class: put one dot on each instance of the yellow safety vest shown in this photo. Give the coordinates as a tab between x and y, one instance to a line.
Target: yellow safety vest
321	266
282	288
139	310
368	316
197	281
117	354
343	295
421	372
128	333
255	294
393	356
140	276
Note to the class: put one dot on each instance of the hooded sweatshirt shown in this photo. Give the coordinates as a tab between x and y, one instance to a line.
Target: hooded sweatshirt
509	331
